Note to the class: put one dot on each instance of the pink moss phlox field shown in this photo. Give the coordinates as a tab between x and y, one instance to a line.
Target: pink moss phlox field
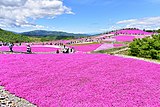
124	38
132	32
108	46
81	80
105	46
24	49
86	48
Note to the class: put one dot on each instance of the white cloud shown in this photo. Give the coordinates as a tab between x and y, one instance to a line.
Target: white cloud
143	23
15	13
12	2
93	2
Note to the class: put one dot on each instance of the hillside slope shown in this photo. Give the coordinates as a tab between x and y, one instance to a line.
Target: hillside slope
7	36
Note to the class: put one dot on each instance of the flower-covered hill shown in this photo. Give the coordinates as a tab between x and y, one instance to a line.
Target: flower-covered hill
132	32
81	80
125	35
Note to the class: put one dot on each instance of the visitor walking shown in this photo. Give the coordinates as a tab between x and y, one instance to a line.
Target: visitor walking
67	51
11	47
57	51
72	50
29	49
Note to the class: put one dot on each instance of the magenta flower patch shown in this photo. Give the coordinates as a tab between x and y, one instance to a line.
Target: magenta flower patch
124	38
133	32
89	80
34	49
86	48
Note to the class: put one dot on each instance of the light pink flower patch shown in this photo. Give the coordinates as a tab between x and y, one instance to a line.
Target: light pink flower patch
118	45
89	80
86	48
104	47
140	37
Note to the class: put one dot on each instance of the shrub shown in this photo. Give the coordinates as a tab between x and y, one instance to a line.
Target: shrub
147	47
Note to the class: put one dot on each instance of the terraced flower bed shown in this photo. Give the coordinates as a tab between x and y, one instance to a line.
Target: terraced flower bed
86	48
133	32
95	47
125	38
81	80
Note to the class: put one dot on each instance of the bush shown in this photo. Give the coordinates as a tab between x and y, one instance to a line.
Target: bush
148	47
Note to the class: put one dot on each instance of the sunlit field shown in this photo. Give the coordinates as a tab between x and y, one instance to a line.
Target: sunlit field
79	53
81	80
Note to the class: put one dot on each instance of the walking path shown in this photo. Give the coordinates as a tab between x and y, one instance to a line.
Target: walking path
9	100
144	59
126	56
115	52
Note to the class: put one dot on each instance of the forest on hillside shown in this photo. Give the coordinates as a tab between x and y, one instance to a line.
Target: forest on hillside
7	36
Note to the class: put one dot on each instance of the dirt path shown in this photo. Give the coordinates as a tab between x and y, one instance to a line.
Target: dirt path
115	52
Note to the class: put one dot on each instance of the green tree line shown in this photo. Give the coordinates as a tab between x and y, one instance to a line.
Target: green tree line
50	38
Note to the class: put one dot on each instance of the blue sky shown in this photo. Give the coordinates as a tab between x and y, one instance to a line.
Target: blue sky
79	16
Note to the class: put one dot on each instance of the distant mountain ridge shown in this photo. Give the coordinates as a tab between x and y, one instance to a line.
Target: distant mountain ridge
43	33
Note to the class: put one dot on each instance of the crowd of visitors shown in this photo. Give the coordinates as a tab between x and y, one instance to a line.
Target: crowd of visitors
62	48
68	50
65	47
11	45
